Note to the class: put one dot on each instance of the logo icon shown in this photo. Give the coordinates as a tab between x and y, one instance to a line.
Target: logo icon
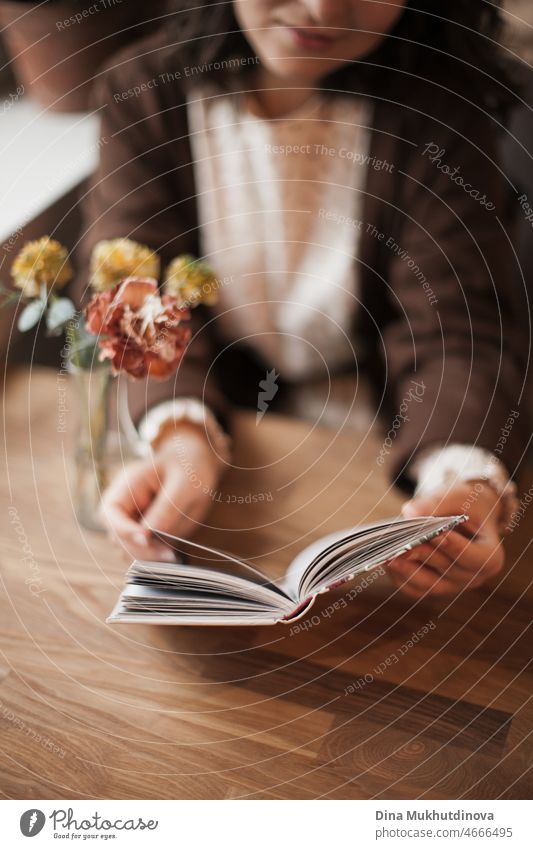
32	822
268	388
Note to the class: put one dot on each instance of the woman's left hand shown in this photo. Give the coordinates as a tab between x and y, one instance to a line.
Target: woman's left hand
456	560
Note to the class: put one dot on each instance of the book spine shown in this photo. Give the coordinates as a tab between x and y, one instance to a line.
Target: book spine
302	607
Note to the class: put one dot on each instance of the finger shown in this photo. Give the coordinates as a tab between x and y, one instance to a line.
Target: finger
426	555
410	570
131	492
469	529
482	528
175	508
441	550
469	554
177	515
158	552
482	561
407	588
131	536
439	504
455	579
435	560
134	488
165	509
440	590
420	580
120	512
184	521
121	524
428	505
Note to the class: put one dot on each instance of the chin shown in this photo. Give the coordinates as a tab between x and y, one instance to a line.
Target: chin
308	70
314	68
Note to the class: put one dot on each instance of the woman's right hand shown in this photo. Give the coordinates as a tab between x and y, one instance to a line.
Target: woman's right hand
171	491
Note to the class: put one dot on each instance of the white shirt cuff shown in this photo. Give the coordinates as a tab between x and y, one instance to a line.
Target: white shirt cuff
185	410
442	467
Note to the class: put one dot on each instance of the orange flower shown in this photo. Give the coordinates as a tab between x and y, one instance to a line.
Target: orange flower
142	332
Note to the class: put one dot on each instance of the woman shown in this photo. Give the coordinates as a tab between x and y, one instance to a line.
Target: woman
335	163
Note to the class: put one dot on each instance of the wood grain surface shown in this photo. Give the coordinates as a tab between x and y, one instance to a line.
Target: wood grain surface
141	712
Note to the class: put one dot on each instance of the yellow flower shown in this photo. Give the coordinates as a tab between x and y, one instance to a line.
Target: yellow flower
113	260
43	262
191	281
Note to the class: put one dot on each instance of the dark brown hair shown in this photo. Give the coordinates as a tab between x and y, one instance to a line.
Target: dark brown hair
457	43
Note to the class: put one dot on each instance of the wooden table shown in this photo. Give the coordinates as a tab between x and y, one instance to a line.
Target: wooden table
89	710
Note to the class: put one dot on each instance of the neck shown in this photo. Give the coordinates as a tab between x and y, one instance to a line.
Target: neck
277	96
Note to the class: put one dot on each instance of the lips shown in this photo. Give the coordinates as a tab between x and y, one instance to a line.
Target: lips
309	38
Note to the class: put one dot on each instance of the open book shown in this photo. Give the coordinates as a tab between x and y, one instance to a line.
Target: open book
219	589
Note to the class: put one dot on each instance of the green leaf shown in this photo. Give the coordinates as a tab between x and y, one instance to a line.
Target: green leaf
60	312
11	296
83	347
10	299
31	315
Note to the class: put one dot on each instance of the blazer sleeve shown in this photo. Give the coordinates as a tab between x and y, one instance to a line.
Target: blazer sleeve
455	363
143	189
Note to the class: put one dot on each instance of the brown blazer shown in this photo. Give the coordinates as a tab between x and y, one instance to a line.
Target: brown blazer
435	258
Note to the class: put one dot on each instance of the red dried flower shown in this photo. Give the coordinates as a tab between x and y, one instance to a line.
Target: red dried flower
140	331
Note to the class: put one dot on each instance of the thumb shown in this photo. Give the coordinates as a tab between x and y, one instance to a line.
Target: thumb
419	506
163	512
169	510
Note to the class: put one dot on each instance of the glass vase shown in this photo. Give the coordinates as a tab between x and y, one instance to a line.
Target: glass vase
105	438
89	454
